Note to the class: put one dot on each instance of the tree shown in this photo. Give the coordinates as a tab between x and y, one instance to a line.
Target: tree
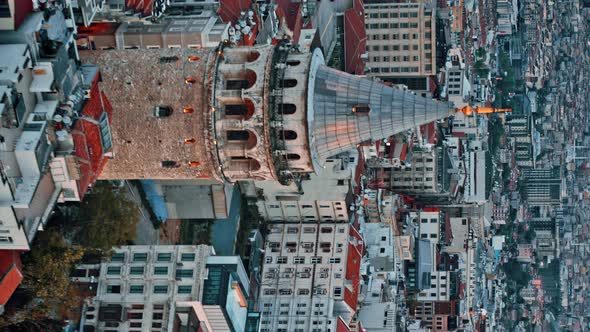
108	218
48	265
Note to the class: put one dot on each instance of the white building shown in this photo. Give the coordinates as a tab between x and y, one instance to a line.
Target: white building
429	224
27	194
293	203
138	289
440	288
304	277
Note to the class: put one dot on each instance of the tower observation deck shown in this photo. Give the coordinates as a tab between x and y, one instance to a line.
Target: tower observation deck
233	113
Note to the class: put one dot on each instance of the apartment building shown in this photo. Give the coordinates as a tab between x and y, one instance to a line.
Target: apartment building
429	224
308	199
420	177
310	276
295	211
138	289
542	187
401	41
439	290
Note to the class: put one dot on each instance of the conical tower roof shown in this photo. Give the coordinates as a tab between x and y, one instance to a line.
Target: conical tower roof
345	110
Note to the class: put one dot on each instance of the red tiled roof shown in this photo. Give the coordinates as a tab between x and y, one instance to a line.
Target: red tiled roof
10	274
353	269
230	10
355	38
289	13
87	139
21	10
341	325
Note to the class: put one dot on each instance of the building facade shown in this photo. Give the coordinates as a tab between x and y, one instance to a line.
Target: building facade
306	276
410	51
138	288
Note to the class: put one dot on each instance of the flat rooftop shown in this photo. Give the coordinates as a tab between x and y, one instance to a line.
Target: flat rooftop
135	82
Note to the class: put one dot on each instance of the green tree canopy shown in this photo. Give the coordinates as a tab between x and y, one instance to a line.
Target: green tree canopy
108	218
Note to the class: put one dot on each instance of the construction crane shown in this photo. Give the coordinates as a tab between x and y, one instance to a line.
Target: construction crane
468	110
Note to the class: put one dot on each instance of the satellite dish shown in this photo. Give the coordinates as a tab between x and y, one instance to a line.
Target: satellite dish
67	120
57	118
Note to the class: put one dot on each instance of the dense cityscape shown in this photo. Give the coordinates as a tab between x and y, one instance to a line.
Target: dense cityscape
294	165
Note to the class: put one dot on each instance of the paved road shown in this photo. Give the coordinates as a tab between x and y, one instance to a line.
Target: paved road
146	234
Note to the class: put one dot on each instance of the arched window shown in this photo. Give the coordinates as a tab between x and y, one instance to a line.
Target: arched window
243	164
243	138
288	83
286	109
240	80
168	163
293	156
168	59
288	134
162	111
243	110
238	135
361	109
293	63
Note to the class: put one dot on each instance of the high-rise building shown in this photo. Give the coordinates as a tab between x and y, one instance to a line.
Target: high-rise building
542	187
140	288
310	276
261	113
401	41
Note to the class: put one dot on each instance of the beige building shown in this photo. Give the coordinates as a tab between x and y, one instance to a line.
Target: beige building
420	176
401	39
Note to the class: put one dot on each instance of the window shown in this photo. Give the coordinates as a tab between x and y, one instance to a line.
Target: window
340	182
334	260
281	260
135	324
164	257
433	220
269	291
316	260
424	221
160	289
184	273
156	325
160	270
118	257
113	289
292	230
157	316
268	259
185	289
382	250
135	315
105	132
113	270
337	291
285	291
303	291
136	289
187	257
433	236
135	270
140	257
298	260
